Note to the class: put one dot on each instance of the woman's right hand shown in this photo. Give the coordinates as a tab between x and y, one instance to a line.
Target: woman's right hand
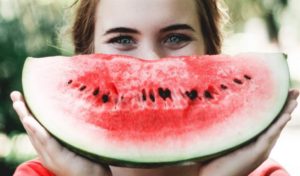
247	158
53	156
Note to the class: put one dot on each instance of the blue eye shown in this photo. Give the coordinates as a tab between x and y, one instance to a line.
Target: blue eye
176	41
123	42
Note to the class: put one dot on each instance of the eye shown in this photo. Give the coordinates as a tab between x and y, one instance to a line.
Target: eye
176	41
123	42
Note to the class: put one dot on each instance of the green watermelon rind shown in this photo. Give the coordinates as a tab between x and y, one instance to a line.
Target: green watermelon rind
177	161
126	163
132	164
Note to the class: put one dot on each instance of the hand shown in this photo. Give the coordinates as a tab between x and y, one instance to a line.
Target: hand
53	156
246	159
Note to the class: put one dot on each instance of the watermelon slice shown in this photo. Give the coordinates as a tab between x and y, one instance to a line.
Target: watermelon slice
131	112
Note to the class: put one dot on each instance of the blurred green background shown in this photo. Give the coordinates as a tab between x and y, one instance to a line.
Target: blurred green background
33	28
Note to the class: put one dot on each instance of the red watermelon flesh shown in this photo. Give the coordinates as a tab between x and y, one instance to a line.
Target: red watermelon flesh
129	111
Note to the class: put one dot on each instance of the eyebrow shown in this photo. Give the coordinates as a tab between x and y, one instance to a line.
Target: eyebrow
122	30
134	31
177	27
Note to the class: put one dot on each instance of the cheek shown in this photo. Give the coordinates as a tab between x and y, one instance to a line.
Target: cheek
194	48
97	45
198	48
109	49
104	49
99	48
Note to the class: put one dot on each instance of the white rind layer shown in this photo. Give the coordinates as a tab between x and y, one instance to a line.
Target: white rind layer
199	146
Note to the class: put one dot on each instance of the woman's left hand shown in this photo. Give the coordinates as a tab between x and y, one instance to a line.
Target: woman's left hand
246	159
56	158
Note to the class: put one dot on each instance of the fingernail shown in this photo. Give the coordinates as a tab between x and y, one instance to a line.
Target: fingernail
13	94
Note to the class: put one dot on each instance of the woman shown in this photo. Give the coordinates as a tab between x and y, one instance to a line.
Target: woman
149	29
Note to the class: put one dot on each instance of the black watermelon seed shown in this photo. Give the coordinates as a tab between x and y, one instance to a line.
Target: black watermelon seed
208	95
237	81
96	92
247	77
152	96
193	94
70	81
164	93
82	88
144	97
223	87
168	92
105	98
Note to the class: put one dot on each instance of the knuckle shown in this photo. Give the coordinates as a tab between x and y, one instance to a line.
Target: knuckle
16	104
45	141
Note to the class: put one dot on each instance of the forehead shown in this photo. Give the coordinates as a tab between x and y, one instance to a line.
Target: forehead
145	13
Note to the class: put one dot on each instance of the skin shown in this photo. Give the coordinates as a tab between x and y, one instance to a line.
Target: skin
161	29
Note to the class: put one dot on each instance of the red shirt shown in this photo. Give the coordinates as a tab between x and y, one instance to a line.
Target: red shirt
35	168
32	168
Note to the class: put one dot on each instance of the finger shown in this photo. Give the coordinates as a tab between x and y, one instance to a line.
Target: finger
36	144
21	109
293	94
272	134
292	106
289	107
16	96
41	134
32	132
264	144
52	153
57	153
40	147
43	138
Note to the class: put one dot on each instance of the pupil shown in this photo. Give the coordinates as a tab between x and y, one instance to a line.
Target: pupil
174	39
125	41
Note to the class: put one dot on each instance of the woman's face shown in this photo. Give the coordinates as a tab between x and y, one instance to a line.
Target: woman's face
148	29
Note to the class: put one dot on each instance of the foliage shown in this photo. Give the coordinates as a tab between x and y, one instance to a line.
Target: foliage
27	28
269	10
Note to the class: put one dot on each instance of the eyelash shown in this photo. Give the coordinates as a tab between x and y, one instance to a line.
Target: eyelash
127	42
118	39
